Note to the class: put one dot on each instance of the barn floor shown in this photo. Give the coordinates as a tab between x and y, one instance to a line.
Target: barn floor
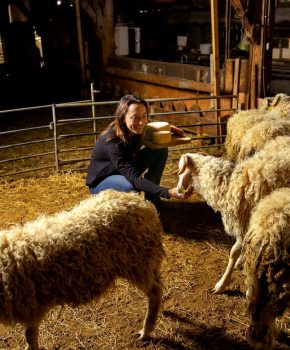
196	256
197	251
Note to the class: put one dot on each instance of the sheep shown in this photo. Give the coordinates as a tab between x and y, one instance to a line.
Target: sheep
256	137
266	252
281	100
234	189
74	256
240	124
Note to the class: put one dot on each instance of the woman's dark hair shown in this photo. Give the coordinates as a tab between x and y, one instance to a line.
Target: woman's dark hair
118	128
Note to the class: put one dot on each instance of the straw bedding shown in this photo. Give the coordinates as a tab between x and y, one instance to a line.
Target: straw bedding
196	254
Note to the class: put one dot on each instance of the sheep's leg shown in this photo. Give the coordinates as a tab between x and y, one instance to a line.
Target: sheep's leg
31	335
263	327
154	298
224	281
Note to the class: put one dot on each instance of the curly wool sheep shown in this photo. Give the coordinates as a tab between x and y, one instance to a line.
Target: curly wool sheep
267	266
74	257
281	101
240	124
256	137
234	190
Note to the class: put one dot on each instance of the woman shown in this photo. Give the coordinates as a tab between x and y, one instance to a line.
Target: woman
118	161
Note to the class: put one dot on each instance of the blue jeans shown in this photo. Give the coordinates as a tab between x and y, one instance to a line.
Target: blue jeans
152	160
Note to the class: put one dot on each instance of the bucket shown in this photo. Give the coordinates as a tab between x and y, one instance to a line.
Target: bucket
205	49
181	41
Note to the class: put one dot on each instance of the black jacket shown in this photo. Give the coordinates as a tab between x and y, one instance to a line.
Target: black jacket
115	157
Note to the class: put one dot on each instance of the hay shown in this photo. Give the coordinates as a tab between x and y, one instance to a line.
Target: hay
196	255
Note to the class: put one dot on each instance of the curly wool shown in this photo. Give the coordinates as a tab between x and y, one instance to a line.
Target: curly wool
256	137
267	266
280	100
240	123
74	256
235	190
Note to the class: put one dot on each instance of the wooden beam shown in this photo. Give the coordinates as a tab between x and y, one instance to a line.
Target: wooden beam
236	83
80	45
105	27
155	79
215	60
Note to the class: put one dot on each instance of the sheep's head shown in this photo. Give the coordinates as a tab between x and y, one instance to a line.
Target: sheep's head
185	172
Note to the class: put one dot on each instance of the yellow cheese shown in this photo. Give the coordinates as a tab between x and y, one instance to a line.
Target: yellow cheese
161	137
153	127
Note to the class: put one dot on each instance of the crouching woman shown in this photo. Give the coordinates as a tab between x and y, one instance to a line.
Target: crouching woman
120	162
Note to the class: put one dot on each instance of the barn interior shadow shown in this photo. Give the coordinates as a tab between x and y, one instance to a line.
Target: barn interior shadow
201	337
195	220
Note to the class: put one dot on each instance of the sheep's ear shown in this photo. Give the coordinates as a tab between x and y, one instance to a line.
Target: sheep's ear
183	162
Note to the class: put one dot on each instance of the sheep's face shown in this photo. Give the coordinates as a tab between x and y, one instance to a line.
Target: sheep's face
185	171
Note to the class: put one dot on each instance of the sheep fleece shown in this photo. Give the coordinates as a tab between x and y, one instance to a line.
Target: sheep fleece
74	256
267	265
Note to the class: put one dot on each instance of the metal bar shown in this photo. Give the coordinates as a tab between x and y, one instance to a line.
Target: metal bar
55	137
75	149
70	161
85	103
63	121
25	143
27	170
26	157
21	130
102	103
24	109
189	98
193	147
76	135
55	123
196	125
190	112
93	110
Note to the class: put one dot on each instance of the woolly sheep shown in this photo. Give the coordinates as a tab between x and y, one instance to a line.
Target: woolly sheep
256	137
240	123
267	266
235	189
281	101
74	257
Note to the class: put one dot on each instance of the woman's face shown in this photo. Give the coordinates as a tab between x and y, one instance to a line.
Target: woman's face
136	118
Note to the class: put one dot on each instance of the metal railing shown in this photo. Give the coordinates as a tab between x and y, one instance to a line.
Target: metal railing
48	149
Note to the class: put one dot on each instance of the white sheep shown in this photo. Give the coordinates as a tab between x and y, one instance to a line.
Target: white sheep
267	266
75	256
280	100
234	190
240	124
237	125
256	137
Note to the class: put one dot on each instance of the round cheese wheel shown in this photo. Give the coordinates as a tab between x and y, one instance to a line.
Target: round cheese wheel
153	127
161	137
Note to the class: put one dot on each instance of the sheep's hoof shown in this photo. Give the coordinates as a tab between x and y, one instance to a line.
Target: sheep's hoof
142	336
218	289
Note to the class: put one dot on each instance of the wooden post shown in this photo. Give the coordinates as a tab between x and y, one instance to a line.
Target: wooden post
81	46
228	76
105	28
101	14
236	83
228	29
215	61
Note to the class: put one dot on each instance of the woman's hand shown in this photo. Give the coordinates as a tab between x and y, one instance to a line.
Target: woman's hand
177	131
174	193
